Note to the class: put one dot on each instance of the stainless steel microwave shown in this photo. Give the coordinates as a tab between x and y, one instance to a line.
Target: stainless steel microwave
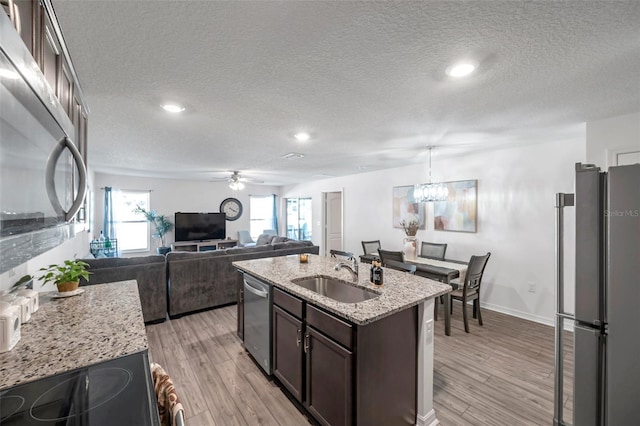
42	173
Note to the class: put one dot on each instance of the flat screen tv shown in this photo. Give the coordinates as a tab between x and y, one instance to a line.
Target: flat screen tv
200	226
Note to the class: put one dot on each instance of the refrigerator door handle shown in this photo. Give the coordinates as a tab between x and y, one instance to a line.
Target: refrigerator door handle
562	201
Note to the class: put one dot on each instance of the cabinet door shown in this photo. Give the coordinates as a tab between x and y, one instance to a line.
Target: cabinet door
65	89
29	11
287	351
50	62
329	379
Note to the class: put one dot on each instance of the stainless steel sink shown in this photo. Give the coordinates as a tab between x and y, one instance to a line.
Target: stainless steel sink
335	289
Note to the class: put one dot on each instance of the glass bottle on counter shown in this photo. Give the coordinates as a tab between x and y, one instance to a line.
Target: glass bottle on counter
376	272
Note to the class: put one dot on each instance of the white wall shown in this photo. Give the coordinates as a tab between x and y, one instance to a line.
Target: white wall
173	195
611	134
516	198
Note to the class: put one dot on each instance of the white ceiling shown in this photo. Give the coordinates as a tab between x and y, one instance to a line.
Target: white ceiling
366	79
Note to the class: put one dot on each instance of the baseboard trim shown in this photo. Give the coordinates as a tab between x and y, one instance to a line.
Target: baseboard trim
568	324
428	419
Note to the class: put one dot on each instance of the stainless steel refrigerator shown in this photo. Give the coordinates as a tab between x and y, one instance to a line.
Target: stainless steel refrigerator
606	388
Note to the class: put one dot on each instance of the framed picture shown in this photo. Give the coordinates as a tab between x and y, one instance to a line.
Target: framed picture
405	208
459	212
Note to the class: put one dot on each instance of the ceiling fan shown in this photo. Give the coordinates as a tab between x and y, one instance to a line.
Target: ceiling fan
236	180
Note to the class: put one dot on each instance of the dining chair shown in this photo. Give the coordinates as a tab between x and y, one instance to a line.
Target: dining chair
471	289
370	247
386	255
401	266
433	250
345	254
270	231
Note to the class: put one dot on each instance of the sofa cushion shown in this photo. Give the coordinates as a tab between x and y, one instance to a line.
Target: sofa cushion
114	262
292	244
264	239
243	250
179	255
279	239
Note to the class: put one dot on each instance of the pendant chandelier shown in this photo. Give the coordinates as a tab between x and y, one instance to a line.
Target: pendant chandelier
428	192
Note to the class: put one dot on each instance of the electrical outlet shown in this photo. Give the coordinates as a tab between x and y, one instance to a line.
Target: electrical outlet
532	287
428	332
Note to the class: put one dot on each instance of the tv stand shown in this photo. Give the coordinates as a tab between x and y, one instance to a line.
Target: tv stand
207	245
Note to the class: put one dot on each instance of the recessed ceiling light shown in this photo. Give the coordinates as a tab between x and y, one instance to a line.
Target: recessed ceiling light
11	75
302	136
173	108
462	69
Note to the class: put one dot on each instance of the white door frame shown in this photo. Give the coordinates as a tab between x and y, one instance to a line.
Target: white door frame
323	249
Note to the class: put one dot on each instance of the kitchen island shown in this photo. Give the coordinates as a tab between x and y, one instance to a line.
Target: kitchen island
82	357
373	344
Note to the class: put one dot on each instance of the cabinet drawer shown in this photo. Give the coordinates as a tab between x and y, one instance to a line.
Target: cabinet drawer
333	327
291	304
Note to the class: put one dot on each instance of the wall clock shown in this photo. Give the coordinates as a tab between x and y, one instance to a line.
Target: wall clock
232	208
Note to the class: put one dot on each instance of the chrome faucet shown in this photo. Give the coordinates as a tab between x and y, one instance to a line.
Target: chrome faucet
352	268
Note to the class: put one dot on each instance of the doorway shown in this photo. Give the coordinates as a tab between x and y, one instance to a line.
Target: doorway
299	212
333	220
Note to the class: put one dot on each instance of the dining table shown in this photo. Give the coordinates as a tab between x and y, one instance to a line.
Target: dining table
444	271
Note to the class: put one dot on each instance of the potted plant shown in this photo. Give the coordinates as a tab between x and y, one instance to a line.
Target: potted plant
161	224
66	276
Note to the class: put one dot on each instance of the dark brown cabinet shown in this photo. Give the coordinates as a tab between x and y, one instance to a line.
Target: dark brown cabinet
312	366
329	379
287	351
35	22
342	373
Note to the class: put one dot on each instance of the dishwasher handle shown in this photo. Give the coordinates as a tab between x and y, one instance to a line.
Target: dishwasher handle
257	291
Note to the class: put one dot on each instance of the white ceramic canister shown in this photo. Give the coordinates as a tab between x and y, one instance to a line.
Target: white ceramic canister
24	303
9	326
33	295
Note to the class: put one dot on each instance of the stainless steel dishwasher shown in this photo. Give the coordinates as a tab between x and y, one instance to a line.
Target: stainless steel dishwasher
257	320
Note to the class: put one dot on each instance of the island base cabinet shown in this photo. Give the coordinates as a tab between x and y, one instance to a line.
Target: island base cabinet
329	380
387	370
342	373
287	351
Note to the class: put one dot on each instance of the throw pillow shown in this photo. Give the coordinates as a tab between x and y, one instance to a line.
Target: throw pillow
264	239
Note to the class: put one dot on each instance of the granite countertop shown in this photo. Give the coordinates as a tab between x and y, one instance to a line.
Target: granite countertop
399	291
103	323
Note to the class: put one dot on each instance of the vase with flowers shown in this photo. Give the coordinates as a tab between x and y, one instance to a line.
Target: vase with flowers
410	242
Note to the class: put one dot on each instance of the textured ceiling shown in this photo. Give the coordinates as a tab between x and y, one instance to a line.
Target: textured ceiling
366	79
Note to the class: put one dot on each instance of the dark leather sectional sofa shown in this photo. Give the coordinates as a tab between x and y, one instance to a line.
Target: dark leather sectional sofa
184	282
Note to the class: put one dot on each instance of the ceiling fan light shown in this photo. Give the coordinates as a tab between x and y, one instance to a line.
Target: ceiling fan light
236	185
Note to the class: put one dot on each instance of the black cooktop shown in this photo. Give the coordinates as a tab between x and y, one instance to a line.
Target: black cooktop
116	392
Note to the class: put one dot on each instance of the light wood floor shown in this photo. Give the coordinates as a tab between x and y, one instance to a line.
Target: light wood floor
499	374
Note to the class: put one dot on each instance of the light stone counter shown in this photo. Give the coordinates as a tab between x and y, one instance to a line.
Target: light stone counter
103	323
399	291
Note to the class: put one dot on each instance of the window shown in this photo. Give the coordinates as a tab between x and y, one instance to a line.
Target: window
299	218
262	209
133	228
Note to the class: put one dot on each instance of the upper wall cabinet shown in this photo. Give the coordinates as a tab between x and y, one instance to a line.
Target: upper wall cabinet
36	23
